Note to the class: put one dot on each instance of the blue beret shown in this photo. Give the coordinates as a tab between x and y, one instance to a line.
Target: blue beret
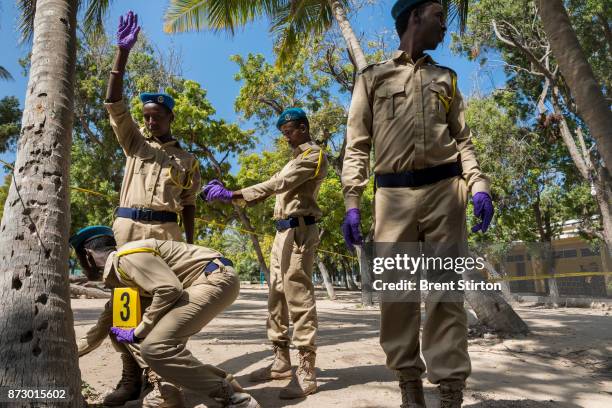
87	233
158	98
289	115
401	6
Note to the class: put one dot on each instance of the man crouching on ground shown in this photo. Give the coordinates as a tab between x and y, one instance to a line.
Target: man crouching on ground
189	286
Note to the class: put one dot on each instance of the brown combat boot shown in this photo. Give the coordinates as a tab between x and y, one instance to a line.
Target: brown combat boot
304	381
451	394
280	367
227	396
412	393
129	385
163	394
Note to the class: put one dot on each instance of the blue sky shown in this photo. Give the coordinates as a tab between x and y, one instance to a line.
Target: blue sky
205	56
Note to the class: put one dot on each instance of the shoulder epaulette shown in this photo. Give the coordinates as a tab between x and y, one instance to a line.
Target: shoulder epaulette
373	64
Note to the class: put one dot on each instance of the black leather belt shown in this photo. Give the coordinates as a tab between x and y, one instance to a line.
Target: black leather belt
212	266
419	178
146	214
293	222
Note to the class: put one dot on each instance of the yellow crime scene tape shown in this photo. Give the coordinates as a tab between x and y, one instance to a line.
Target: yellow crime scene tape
549	276
245	231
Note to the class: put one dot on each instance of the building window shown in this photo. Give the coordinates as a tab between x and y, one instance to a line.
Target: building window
586	252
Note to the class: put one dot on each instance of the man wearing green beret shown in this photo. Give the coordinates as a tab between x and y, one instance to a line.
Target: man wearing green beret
409	111
291	292
161	181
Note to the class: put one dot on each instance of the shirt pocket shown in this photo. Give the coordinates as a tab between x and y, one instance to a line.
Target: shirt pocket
390	98
440	101
143	163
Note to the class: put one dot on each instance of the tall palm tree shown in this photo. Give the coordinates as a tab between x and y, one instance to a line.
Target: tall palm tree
38	336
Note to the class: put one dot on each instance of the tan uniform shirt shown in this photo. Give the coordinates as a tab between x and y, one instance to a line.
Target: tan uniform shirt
162	177
162	274
296	186
412	115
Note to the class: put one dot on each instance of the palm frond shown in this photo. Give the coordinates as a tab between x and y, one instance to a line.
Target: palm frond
4	74
216	15
25	22
94	16
457	10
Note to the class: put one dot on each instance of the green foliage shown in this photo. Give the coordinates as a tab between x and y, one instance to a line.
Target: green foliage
4	192
10	122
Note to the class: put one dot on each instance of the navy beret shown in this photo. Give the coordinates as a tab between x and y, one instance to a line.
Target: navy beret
289	115
401	6
158	98
87	233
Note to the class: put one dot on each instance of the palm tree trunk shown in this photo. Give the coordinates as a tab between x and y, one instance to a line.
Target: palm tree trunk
352	42
37	325
578	74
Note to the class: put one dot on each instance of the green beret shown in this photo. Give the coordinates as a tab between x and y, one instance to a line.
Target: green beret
87	233
158	98
290	115
401	6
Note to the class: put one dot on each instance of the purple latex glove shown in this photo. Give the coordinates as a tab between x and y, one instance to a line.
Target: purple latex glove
483	209
128	30
216	191
351	229
124	335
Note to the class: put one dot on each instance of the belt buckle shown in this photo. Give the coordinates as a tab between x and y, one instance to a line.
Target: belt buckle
145	214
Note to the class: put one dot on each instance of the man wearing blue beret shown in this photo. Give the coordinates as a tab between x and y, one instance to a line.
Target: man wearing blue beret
188	286
160	182
291	291
409	111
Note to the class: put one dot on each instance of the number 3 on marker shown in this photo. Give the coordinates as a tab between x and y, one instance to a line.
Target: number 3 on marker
126	308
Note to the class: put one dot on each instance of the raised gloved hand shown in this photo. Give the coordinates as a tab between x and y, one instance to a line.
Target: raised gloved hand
128	30
216	191
351	228
124	335
483	209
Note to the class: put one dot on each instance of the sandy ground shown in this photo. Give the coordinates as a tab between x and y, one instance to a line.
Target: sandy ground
565	362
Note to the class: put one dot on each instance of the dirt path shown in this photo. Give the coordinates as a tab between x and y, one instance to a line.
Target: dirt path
566	362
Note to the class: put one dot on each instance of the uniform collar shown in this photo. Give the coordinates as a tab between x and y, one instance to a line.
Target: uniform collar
401	57
109	276
302	148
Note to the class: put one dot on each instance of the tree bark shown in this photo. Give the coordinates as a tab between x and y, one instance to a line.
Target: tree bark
326	280
492	310
577	72
352	42
366	279
94	293
37	345
260	257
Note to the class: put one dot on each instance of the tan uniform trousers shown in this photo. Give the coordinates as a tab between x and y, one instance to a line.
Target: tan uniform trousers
432	213
127	230
291	289
163	349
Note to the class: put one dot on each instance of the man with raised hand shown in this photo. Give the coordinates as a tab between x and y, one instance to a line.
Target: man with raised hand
409	111
160	181
291	292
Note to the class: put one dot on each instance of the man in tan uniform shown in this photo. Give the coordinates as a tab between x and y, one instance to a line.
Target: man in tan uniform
160	181
409	111
188	285
291	291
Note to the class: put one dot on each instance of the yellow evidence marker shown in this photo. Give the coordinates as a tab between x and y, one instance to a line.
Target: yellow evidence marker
126	308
